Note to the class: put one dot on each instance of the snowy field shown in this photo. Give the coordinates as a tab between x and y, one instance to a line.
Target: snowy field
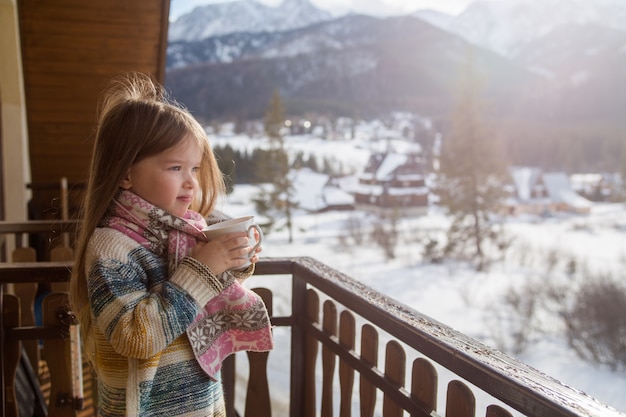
455	294
458	296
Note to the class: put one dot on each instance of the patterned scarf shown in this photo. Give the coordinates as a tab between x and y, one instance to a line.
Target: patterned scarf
233	321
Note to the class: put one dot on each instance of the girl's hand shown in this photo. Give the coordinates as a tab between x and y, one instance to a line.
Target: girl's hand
229	251
255	257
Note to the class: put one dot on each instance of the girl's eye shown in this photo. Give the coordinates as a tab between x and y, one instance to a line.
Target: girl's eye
196	169
176	168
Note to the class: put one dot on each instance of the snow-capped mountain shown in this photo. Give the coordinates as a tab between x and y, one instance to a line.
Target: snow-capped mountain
244	16
355	63
573	53
560	69
572	43
507	27
435	17
337	34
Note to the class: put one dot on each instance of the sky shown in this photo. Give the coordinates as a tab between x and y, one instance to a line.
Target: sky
339	7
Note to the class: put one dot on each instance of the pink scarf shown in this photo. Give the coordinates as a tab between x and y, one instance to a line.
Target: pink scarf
233	321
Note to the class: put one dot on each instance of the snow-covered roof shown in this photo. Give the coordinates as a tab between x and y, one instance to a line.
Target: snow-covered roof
411	177
308	187
369	189
560	190
312	192
391	162
378	190
335	196
524	179
397	191
382	166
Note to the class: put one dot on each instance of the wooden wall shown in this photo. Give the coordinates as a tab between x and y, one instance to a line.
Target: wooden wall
70	48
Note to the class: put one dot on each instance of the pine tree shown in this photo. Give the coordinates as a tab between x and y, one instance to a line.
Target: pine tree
226	160
471	178
275	121
276	203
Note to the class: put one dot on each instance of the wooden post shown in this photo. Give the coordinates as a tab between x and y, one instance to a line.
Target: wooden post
63	358
12	353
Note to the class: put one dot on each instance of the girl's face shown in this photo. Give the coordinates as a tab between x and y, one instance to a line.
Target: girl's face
169	179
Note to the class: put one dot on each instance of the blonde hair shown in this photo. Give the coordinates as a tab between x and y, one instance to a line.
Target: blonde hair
136	120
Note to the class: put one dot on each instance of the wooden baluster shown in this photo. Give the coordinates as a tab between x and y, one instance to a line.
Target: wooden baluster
22	252
369	354
395	371
346	372
497	411
27	293
310	361
424	383
66	390
460	401
329	326
12	350
258	395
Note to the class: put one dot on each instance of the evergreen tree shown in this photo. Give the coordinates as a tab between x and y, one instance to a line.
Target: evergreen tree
277	202
244	167
226	161
298	162
262	166
471	178
275	121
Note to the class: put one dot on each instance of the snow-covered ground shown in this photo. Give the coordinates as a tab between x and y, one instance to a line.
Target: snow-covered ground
458	296
454	294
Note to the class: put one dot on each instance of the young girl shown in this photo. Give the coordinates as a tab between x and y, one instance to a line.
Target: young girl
159	305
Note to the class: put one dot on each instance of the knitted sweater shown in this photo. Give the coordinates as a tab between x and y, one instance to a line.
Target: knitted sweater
140	351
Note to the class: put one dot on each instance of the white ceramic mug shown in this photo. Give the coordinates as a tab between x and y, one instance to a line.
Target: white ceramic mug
240	224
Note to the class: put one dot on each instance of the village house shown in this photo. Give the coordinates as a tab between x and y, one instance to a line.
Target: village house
536	192
393	181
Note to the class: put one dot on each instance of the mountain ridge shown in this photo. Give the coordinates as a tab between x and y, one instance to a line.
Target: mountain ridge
244	16
349	59
568	85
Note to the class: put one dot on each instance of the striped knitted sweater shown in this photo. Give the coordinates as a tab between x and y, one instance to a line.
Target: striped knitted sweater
140	351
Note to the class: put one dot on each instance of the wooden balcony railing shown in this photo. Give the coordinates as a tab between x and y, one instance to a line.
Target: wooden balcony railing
343	331
343	349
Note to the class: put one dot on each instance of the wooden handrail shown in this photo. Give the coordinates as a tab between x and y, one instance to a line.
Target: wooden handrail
53	238
39	272
54	186
38	226
514	383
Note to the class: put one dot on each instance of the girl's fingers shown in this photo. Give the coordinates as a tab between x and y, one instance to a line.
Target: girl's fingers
228	251
230	236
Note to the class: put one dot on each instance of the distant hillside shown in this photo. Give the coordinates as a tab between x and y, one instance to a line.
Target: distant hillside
557	102
348	66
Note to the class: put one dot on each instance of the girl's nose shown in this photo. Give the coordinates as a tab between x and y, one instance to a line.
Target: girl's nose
190	181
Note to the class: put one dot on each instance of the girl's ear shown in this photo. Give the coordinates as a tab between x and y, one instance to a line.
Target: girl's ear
126	183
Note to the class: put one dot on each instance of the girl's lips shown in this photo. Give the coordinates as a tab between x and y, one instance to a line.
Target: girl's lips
186	198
